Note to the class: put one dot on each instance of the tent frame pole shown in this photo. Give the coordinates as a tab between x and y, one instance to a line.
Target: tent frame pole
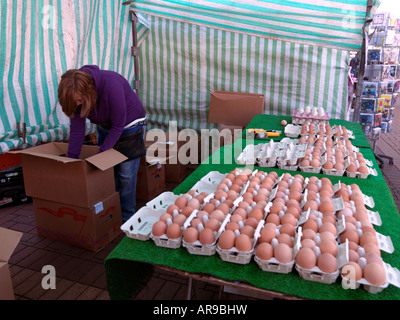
135	51
361	70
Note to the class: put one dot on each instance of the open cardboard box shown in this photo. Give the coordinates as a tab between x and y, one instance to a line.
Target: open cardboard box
50	175
9	240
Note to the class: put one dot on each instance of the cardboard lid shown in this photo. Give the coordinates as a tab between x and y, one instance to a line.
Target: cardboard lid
9	240
106	159
54	150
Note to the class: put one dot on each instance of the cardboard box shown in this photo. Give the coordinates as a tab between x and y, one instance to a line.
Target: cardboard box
150	180
234	133
235	108
91	228
174	169
9	240
50	175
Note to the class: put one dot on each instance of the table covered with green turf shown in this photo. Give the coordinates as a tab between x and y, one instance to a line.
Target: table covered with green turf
130	264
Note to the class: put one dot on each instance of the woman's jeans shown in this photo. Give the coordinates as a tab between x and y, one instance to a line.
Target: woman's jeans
125	183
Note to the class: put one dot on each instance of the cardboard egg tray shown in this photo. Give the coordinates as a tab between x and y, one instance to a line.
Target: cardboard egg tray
339	129
268	154
303	117
249	154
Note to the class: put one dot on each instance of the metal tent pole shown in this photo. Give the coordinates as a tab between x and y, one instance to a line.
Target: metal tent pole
135	52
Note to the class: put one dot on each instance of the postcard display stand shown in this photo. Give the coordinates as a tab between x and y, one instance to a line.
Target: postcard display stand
381	85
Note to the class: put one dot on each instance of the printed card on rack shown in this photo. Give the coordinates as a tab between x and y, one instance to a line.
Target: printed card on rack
380	104
368	104
366	119
370	88
377	119
388	100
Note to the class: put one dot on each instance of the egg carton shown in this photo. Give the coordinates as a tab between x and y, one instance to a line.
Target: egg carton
268	154
316	274
240	257
213	178
249	154
336	128
162	201
371	171
140	224
197	247
290	158
292	131
165	242
392	278
273	265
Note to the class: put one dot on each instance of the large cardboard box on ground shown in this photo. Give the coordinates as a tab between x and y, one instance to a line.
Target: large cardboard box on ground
91	227
235	108
50	175
9	239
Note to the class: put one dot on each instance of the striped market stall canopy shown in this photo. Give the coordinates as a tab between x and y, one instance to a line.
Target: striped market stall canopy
332	23
40	40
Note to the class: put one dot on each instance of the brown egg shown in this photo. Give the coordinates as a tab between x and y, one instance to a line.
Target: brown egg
285	238
327	263
352	271
288	218
373	257
351	168
217	214
329	219
351	235
206	236
306	258
283	253
213	224
232	226
363	169
187	211
226	240
224	207
179	219
353	255
375	274
309	234
308	243
243	243
274	218
326	206
190	235
264	251
209	207
194	203
252	222
267	234
165	216
181	202
276	208
171	208
371	247
328	246
159	228
256	213
174	231
235	187
288	229
310	204
249	230
326	236
368	237
310	224
339	166
195	222
328	227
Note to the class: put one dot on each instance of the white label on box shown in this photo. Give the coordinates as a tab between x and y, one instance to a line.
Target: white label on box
98	207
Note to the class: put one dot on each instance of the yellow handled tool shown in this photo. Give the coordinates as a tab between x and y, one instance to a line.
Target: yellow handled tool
261	133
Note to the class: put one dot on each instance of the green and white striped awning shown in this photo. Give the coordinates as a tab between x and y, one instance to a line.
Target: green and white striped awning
331	23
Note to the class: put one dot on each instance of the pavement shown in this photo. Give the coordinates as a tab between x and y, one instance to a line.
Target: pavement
80	274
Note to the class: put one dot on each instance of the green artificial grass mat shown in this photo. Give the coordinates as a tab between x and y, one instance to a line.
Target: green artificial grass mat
272	122
130	263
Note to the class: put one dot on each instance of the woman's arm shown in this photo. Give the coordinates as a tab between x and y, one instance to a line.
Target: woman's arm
76	136
117	109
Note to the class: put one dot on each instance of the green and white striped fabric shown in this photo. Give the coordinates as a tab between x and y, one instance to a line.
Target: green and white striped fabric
182	63
40	40
332	23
